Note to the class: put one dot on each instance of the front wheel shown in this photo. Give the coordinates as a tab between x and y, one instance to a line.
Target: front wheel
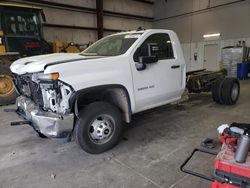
98	128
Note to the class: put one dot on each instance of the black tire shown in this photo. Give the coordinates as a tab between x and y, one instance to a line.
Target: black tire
85	127
216	90
10	97
230	91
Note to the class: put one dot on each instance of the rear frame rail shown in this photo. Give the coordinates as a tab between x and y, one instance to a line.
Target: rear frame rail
202	80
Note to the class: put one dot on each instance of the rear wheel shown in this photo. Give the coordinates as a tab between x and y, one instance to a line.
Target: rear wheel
98	128
216	90
230	91
7	89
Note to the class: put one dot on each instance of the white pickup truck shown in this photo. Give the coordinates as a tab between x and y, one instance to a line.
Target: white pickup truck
90	95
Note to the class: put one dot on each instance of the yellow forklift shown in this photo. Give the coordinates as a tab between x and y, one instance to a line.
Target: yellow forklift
21	36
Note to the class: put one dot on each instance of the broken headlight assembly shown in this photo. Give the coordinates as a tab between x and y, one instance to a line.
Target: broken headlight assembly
45	77
55	93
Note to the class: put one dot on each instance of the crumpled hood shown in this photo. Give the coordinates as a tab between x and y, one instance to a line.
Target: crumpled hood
37	63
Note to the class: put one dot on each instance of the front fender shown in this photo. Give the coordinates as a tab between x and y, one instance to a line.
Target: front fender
79	95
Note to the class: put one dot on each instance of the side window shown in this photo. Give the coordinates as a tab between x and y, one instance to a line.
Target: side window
162	40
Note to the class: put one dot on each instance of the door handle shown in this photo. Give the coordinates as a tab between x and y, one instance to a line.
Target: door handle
175	66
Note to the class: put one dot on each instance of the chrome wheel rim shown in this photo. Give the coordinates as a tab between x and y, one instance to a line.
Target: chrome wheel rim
102	129
235	91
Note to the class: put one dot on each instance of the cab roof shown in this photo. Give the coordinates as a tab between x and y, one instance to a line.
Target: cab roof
141	31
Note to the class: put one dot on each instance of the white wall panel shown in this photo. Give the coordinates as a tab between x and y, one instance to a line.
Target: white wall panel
67	17
187	55
190	48
69	35
231	20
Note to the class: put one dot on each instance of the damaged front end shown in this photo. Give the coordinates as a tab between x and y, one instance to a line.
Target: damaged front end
44	102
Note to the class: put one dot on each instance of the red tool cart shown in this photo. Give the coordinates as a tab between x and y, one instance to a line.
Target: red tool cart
227	172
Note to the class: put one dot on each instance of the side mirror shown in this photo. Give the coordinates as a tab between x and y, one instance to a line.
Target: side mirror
144	60
140	66
151	57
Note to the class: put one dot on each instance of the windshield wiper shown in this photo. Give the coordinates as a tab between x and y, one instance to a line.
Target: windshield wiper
89	54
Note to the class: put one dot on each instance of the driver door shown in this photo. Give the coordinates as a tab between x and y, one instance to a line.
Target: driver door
160	82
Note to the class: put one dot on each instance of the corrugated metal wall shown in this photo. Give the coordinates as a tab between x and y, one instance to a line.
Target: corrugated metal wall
81	23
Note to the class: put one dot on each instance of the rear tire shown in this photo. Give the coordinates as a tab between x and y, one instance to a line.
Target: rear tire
8	92
216	91
98	128
230	91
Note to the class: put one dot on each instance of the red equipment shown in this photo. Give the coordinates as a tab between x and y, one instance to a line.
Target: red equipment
227	172
221	185
226	138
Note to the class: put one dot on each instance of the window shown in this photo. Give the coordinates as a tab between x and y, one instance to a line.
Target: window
162	40
21	23
112	45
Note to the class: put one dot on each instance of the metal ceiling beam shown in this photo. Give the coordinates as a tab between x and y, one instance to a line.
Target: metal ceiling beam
99	18
78	27
145	1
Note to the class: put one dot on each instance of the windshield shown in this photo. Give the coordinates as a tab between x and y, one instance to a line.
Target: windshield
112	45
21	23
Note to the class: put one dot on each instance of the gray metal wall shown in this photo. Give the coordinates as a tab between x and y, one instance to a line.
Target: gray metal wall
58	16
55	15
232	21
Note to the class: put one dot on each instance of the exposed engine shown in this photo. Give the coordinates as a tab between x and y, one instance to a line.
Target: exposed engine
50	95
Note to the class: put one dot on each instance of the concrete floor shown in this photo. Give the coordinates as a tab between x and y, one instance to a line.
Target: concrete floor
149	155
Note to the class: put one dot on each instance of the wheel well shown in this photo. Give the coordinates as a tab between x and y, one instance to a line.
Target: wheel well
115	95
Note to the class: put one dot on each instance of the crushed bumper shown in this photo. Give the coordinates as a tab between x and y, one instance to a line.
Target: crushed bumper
46	123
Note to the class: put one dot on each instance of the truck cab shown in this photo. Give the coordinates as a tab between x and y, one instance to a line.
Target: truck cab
161	80
90	94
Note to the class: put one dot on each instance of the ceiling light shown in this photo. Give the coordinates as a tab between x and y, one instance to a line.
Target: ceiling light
211	35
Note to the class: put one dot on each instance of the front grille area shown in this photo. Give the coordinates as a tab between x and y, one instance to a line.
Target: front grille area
28	88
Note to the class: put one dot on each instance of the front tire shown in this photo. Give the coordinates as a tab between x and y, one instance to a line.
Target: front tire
98	128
